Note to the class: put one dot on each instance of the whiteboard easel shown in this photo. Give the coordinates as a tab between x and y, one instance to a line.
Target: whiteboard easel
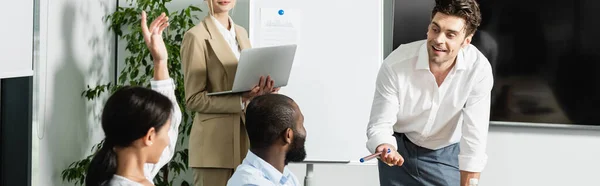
334	72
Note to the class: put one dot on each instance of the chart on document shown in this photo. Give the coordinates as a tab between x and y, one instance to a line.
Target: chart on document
279	27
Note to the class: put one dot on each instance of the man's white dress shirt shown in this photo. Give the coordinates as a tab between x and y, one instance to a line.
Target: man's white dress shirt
408	100
254	171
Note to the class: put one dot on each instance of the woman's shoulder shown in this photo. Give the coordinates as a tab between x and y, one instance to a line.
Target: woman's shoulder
198	31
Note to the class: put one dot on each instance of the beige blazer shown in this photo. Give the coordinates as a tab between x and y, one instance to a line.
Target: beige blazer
218	138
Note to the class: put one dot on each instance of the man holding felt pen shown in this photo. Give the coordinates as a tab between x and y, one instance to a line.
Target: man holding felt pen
432	104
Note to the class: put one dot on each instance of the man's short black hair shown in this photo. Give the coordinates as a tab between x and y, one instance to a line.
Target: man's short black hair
268	117
466	9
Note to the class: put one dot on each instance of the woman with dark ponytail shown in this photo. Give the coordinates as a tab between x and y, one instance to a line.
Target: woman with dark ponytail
140	125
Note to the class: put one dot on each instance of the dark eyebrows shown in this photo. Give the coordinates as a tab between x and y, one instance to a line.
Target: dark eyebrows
453	32
449	30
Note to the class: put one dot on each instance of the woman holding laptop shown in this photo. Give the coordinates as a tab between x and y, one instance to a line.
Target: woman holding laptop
210	52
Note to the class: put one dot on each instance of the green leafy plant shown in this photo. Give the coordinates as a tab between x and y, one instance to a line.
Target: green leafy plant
138	71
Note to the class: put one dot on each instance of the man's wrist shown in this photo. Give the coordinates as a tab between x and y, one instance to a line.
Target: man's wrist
388	146
375	141
466	176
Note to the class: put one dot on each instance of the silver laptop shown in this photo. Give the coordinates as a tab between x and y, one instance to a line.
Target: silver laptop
275	61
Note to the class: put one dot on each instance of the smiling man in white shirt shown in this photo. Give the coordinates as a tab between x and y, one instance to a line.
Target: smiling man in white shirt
432	104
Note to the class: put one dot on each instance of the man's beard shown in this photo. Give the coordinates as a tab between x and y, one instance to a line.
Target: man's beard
297	153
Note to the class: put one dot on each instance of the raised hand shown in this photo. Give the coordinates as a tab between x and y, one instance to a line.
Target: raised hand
153	37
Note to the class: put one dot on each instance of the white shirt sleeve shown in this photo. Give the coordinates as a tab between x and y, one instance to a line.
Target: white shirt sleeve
476	117
167	88
384	110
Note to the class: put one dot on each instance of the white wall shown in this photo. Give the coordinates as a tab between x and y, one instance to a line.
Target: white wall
76	50
542	156
518	156
16	48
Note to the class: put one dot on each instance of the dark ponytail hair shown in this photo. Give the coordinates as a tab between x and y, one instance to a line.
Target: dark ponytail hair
127	116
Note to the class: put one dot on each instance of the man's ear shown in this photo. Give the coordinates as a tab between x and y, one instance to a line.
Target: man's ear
150	137
289	135
467	40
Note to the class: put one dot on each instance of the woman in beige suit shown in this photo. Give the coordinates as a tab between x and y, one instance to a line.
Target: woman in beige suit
210	52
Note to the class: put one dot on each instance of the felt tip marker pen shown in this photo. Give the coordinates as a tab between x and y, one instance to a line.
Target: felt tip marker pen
369	157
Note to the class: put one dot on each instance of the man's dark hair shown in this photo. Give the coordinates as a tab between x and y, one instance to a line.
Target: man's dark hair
268	117
466	9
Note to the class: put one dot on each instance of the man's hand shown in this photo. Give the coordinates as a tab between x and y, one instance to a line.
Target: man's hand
392	158
466	176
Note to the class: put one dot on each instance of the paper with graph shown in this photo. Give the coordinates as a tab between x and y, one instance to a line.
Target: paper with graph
279	27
